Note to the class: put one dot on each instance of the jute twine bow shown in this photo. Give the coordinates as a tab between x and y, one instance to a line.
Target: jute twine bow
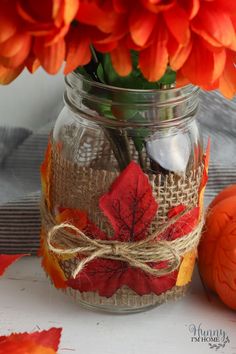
137	254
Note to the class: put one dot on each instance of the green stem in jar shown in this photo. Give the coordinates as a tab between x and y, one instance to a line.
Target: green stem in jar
120	146
121	141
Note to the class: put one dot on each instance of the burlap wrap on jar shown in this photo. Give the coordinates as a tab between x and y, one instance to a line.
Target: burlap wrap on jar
80	187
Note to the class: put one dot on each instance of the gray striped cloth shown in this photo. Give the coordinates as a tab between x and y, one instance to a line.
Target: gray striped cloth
22	151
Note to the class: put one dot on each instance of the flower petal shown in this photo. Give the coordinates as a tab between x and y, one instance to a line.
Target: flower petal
178	24
105	47
32	63
23	13
219	64
51	57
181	80
178	53
154	59
57	35
211	86
13	45
8	23
191	6
36	12
56	7
8	75
227	5
91	14
19	58
228	79
157	6
121	60
203	66
78	49
120	6
70	10
141	24
214	25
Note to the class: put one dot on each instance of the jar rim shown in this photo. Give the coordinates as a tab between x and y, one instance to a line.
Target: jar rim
123	105
187	89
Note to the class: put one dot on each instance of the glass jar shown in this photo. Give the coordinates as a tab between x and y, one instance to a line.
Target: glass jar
109	147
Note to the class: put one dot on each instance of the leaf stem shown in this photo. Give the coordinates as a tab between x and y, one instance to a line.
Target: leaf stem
141	160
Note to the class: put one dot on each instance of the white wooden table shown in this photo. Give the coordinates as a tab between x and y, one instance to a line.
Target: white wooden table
29	303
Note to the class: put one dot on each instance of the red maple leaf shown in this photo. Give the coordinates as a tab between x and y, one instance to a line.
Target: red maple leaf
45	342
6	260
101	275
183	225
143	283
130	207
105	276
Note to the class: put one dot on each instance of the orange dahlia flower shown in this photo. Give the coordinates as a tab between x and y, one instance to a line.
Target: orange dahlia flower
211	62
15	43
32	34
149	27
48	21
98	24
196	38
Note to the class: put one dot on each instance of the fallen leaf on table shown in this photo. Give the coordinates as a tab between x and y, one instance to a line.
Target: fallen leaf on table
45	342
6	260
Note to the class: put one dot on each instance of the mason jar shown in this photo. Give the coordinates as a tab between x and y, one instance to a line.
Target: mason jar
123	171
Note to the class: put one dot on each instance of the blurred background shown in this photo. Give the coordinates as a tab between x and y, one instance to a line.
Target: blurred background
31	100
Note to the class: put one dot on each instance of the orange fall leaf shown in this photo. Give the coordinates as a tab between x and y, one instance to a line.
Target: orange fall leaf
6	260
45	342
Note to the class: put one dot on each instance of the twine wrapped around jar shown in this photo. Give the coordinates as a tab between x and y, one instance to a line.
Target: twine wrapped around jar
137	254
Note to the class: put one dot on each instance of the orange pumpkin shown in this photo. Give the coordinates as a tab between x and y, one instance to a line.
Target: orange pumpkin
217	249
224	271
225	193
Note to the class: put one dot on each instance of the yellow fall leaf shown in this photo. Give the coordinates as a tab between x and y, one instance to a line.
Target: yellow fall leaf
186	268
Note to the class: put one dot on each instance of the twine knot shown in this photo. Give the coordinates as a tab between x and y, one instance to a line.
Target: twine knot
116	250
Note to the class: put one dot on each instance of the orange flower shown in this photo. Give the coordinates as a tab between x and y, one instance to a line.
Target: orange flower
32	34
149	27
50	18
15	43
210	63
98	24
196	38
7	75
78	47
48	21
